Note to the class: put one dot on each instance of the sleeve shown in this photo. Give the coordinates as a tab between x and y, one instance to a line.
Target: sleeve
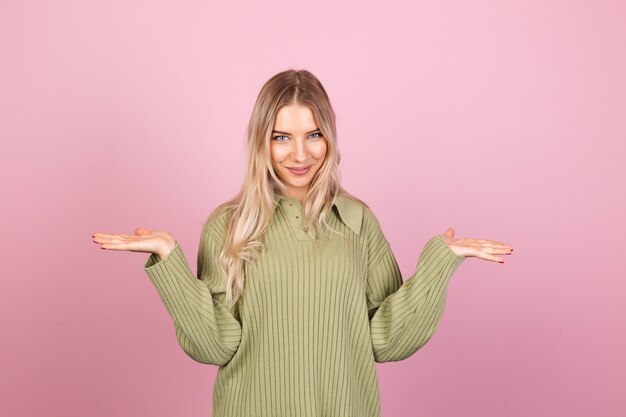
206	330
403	316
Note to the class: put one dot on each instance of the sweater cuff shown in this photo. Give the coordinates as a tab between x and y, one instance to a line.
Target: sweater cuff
155	259
163	272
441	246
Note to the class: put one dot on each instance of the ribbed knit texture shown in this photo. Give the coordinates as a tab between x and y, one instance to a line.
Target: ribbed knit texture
314	319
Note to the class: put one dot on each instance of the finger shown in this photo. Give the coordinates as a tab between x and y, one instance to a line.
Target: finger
488	257
131	237
114	239
496	250
133	245
496	243
123	239
110	237
107	235
483	243
116	246
100	237
142	231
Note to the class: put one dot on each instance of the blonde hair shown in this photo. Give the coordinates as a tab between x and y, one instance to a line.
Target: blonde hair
251	210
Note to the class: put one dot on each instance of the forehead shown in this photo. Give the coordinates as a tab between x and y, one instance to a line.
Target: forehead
295	117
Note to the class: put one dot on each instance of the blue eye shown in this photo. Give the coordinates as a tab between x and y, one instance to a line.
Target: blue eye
319	135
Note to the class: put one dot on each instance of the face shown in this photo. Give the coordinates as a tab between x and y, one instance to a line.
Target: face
297	142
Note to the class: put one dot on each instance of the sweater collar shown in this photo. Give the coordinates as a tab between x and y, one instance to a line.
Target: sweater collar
350	211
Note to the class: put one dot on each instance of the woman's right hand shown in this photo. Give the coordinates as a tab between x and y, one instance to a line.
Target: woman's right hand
158	242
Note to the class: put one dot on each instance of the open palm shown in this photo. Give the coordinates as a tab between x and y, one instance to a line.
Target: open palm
480	248
144	240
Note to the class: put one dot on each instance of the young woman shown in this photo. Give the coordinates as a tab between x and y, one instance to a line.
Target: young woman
297	292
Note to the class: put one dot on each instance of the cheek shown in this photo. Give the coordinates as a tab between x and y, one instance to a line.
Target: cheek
319	151
276	156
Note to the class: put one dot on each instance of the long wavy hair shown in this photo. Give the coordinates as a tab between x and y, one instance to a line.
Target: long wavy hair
251	210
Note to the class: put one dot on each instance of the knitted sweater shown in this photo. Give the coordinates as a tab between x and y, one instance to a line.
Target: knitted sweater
313	320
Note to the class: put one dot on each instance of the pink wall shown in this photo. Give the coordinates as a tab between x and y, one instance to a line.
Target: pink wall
504	120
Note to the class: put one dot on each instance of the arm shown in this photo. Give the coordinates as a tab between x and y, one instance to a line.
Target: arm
403	316
206	330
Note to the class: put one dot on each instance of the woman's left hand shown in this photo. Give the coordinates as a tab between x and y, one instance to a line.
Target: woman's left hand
480	248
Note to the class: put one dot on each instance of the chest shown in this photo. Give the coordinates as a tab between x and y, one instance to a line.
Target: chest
296	269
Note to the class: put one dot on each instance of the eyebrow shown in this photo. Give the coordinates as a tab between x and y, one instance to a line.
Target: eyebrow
287	133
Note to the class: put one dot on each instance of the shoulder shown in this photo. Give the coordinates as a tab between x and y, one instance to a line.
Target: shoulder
350	211
371	223
216	223
371	228
371	233
358	215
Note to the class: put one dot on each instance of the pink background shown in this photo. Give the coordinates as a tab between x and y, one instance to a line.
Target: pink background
504	120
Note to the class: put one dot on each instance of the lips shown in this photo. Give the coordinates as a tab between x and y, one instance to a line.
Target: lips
302	170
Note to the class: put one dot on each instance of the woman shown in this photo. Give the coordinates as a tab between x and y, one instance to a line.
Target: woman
298	292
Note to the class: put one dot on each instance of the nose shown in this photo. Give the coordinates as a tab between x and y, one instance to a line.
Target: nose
300	152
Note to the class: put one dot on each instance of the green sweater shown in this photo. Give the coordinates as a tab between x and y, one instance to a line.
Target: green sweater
314	318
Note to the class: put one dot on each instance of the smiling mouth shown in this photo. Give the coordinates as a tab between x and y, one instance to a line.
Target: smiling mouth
300	170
